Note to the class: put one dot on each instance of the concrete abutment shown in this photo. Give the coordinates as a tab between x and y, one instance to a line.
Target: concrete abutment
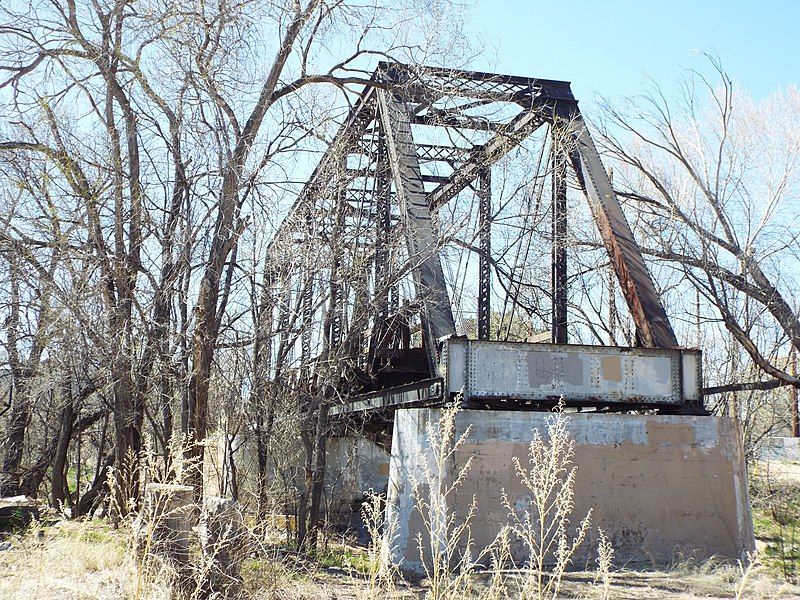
661	487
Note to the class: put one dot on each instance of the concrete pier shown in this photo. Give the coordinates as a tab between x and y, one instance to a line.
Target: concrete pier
355	466
661	487
781	449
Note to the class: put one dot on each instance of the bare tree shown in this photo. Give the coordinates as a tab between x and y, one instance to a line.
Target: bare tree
712	179
162	130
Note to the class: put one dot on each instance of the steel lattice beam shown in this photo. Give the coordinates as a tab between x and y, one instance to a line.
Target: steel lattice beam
559	232
376	185
484	261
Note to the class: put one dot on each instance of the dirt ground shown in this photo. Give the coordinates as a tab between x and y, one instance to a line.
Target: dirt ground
680	584
92	561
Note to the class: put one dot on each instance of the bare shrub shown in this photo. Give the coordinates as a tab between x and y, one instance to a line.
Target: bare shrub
382	531
500	561
605	561
746	571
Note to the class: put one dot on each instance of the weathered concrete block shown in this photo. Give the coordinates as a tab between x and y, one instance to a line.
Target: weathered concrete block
783	449
659	486
17	512
164	525
354	467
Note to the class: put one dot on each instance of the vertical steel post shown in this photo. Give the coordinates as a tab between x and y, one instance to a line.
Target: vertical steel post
612	307
559	232
335	307
307	313
307	303
383	213
485	242
265	326
283	294
612	290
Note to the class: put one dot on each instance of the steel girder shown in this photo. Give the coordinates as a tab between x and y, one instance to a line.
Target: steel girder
372	177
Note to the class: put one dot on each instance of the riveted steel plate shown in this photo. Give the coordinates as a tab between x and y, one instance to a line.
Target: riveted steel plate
485	369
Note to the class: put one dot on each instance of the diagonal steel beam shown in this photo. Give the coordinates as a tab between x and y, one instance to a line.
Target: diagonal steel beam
489	153
437	314
652	323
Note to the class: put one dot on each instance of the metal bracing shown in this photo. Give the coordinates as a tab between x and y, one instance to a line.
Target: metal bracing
307	306
333	331
484	260
488	154
558	156
437	314
413	146
451	155
382	263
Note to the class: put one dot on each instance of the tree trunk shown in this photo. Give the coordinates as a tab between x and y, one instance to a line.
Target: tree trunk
59	488
20	409
231	470
318	477
127	432
261	460
10	484
199	382
32	477
302	507
91	499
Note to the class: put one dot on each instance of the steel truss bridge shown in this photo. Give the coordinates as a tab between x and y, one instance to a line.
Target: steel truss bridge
370	221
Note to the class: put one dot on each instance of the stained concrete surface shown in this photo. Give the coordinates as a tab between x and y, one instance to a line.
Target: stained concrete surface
354	467
781	449
661	487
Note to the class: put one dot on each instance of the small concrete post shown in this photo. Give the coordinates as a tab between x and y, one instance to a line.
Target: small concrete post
164	525
224	543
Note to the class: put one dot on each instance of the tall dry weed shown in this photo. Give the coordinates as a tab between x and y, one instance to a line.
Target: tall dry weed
544	525
446	545
382	532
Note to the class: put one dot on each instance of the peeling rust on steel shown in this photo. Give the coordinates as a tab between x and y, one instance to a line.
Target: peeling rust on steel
651	319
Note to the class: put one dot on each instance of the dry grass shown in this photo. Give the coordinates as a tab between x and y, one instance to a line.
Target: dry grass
90	560
715	582
684	584
776	518
67	561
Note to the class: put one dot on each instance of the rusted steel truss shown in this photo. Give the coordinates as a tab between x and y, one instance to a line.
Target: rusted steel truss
383	180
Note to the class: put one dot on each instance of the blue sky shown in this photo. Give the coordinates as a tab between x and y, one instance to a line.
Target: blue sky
609	47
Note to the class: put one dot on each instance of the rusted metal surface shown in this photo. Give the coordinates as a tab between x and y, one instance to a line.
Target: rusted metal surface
652	323
427	392
480	370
